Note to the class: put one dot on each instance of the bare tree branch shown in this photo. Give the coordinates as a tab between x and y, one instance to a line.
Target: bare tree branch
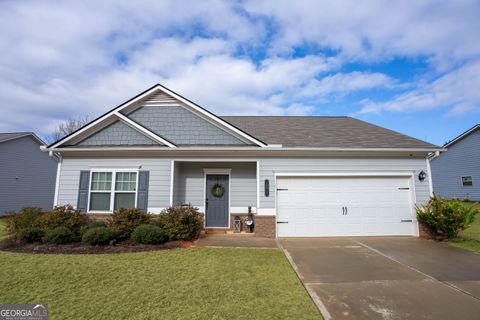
67	127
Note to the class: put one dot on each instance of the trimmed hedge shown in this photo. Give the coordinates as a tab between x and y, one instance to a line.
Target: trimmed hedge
98	236
93	224
63	216
148	234
180	223
26	218
124	221
59	235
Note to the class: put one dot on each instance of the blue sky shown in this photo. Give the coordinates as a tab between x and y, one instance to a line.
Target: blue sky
411	66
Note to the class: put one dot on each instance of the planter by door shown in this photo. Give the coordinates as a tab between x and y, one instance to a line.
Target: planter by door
217	203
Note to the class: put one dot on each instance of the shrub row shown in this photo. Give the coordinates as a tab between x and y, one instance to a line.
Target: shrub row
65	225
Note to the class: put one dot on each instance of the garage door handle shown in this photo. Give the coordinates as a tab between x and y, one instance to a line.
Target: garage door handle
343	211
346	210
282	221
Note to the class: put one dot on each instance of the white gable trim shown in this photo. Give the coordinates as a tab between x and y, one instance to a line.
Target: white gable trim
143	130
156	88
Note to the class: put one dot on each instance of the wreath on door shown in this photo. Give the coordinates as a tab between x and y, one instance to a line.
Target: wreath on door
217	190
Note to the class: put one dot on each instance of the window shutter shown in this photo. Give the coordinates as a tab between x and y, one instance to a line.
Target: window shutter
142	192
83	186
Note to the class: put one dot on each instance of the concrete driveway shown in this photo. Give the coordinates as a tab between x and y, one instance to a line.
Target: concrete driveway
387	277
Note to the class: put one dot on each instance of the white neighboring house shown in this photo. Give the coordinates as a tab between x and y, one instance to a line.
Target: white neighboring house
301	176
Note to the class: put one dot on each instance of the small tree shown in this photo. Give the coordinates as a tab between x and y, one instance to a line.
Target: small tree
67	127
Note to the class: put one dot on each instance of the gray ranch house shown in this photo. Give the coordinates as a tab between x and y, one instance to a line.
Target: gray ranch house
27	175
456	172
300	176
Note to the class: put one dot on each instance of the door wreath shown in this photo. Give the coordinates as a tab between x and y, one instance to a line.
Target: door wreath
217	190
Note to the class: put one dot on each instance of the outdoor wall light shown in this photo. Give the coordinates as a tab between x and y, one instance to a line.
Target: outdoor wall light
267	188
422	175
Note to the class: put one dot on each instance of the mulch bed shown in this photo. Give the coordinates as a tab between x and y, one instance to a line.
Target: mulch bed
80	248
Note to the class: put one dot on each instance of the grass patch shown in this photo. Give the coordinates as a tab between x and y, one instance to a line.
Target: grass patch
195	283
470	238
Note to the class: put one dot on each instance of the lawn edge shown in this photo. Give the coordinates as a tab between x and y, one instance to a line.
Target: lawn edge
315	298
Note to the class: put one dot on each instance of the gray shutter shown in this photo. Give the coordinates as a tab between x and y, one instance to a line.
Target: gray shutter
83	190
142	192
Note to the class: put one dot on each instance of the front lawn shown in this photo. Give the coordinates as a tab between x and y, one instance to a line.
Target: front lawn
195	283
470	238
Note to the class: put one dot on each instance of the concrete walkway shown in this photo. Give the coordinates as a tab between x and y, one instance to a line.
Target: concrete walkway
387	278
236	241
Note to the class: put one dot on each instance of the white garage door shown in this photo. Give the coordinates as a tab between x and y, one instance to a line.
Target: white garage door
344	206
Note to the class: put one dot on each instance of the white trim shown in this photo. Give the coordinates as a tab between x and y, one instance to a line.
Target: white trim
156	210
345	173
463	135
57	183
265	150
241	210
152	90
267	211
172	172
112	188
258	184
217	171
429	175
213	171
143	130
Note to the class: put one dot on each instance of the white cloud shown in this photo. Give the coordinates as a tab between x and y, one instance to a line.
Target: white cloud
457	90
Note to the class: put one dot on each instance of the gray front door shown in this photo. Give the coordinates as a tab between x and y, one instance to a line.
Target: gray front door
216	203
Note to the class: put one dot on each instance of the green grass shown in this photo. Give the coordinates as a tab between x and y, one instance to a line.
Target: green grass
194	283
470	238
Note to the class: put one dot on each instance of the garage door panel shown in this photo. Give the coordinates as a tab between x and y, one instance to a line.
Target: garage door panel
314	206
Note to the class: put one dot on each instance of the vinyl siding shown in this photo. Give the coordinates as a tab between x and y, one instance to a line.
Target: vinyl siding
461	159
159	180
181	127
117	133
27	175
191	183
269	166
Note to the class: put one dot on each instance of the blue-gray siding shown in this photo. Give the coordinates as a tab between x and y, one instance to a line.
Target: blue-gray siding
181	127
117	133
461	159
27	175
189	183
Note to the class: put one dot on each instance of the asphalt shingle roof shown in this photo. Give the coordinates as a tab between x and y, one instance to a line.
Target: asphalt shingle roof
323	132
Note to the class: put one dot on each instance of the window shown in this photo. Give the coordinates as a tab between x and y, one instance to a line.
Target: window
111	190
467	181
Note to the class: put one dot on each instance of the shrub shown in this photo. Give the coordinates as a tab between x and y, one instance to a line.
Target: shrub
148	234
63	216
124	221
180	223
30	235
98	236
93	224
59	235
446	217
26	218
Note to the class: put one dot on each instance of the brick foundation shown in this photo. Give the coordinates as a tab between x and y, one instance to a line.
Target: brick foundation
263	226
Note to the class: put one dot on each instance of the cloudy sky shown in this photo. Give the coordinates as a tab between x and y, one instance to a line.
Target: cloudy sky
411	66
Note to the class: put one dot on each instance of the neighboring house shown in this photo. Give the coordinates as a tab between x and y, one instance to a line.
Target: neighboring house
27	175
301	176
456	172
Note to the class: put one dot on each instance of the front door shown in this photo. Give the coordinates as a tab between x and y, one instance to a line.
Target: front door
216	201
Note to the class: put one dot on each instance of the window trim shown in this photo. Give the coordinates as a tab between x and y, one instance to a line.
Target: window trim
461	181
112	191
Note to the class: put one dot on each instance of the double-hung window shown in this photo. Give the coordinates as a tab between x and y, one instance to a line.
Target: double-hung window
113	189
